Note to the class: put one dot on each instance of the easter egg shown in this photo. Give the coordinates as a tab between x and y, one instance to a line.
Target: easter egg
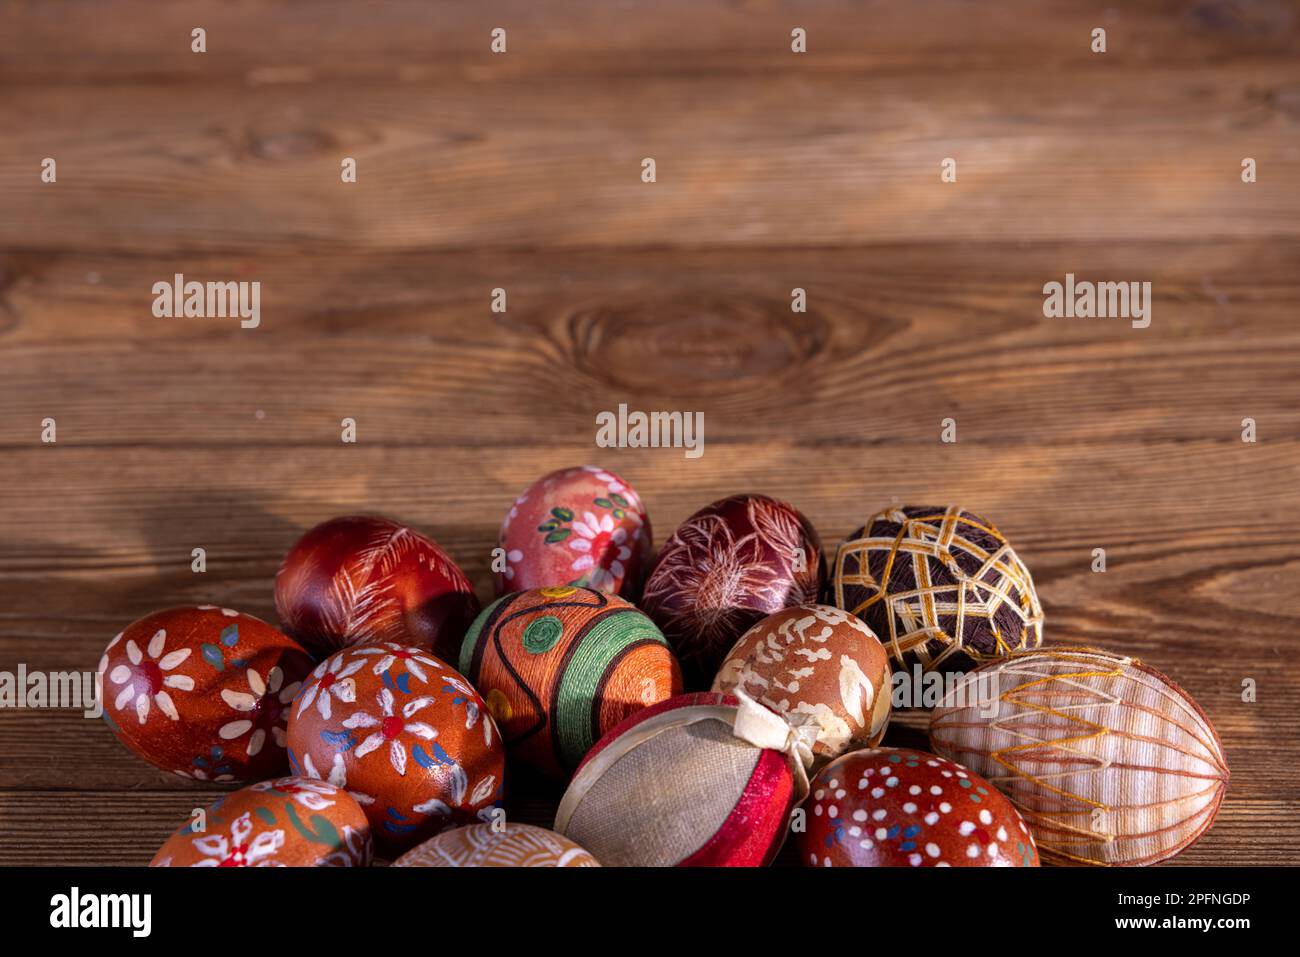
816	660
577	526
938	585
404	734
894	807
486	845
203	692
728	566
699	780
1108	761
289	822
359	580
561	666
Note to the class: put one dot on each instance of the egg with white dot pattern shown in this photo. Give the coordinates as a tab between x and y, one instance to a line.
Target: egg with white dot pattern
894	807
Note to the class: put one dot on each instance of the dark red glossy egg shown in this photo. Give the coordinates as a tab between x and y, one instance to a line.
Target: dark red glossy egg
356	580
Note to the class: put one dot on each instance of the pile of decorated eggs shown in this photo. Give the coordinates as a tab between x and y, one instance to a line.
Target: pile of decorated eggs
698	707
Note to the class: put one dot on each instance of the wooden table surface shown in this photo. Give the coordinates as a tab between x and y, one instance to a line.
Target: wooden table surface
522	171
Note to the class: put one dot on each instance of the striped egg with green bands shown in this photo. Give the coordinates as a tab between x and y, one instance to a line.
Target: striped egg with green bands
560	666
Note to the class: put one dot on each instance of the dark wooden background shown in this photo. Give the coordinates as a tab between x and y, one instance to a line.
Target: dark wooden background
523	171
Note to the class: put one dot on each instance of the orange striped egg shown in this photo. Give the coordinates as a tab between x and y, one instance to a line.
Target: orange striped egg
560	666
1108	760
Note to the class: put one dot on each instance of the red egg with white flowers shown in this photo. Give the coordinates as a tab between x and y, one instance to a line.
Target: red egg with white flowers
405	734
203	692
286	822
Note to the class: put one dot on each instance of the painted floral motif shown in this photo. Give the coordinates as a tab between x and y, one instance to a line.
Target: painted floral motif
202	692
460	784
399	744
465	696
265	706
354	851
603	549
603	542
388	728
613	484
228	612
103	661
312	795
337	776
332	678
287	822
592	521
239	848
144	680
389	653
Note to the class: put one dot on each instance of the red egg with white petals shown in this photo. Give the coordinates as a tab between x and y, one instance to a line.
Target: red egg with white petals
406	735
287	822
203	692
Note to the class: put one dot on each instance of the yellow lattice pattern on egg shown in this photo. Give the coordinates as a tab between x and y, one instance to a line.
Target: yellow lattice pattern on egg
934	537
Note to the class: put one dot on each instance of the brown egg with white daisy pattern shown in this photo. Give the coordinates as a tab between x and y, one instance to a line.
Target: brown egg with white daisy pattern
288	822
203	692
405	734
895	807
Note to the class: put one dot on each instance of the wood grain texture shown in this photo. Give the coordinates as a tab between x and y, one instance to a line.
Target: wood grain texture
895	339
76	41
556	162
521	172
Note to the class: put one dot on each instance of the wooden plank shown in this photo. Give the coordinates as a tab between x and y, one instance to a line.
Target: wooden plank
821	161
895	340
280	41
